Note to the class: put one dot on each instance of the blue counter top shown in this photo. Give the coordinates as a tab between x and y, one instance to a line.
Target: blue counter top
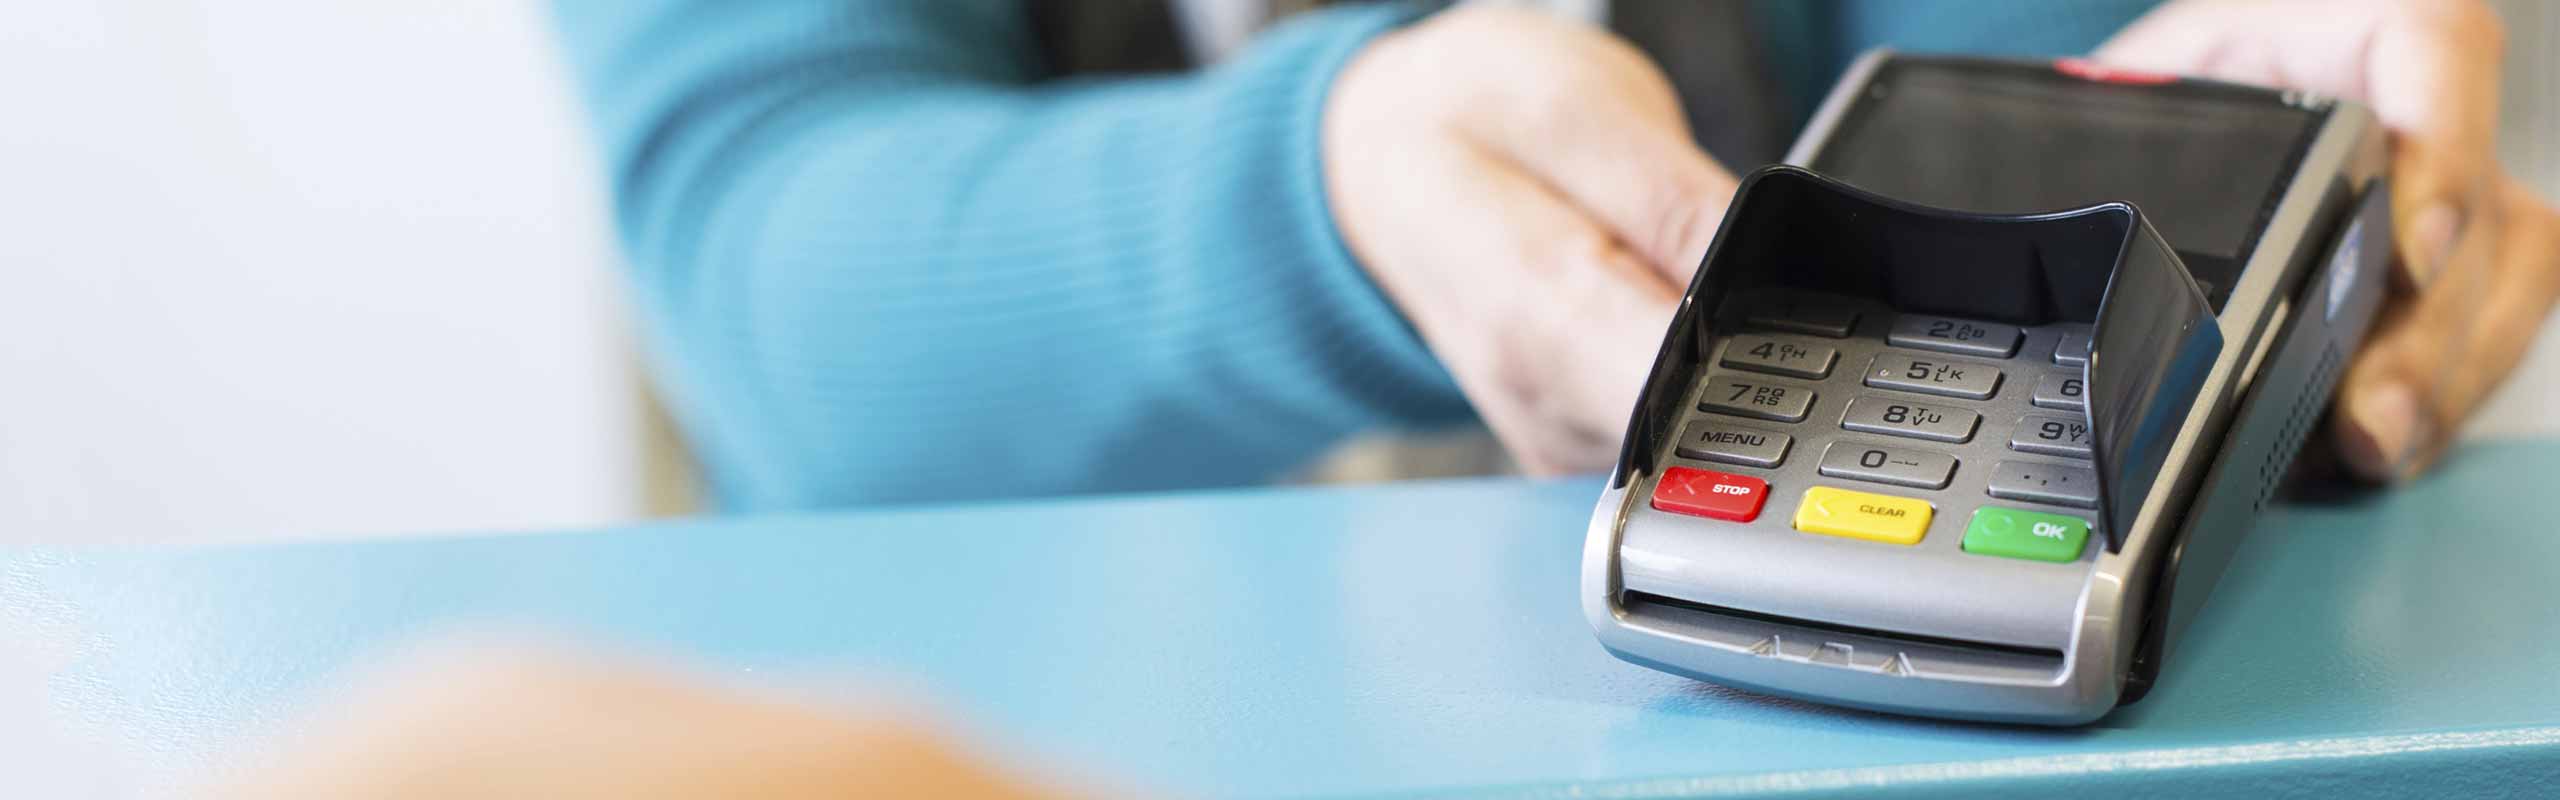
1403	639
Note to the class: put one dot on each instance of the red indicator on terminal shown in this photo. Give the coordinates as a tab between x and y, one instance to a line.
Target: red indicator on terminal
1708	493
2088	70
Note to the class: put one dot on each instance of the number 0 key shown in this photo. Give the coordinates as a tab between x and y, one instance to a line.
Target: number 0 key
1899	466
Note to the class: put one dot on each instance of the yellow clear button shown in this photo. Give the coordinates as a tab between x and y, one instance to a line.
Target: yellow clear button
1861	515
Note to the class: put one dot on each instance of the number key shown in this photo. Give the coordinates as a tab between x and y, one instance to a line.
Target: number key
1755	399
1778	356
1896	417
1801	313
2060	391
1932	376
2051	434
1899	466
1990	339
2073	350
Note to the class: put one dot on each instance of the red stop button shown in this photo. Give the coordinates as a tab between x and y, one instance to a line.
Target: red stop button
1708	493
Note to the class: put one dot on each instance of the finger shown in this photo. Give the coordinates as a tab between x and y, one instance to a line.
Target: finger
1567	314
1651	187
2433	79
2428	68
1612	140
467	723
2434	358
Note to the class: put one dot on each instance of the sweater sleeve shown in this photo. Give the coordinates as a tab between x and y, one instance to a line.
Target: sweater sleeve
881	257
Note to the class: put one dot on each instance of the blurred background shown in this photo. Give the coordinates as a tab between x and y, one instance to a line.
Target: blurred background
303	267
283	268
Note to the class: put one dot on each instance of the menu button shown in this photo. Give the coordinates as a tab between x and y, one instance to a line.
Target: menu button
1733	445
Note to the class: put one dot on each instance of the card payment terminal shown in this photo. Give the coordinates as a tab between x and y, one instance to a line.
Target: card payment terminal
1971	400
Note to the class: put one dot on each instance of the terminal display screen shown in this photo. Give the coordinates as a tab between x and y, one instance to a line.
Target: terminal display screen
2204	162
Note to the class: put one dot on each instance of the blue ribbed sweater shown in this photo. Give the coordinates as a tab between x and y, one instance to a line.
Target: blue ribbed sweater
881	256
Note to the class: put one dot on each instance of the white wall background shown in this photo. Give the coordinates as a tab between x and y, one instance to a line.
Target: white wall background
291	267
303	268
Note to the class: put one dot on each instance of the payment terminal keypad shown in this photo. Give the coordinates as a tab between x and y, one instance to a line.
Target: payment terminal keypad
1951	437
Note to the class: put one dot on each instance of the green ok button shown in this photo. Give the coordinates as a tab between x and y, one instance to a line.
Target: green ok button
2031	535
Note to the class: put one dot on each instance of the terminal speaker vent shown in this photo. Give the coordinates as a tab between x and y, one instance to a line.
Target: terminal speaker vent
2297	424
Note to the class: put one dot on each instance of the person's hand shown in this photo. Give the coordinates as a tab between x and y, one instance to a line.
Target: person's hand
487	725
1526	191
2481	252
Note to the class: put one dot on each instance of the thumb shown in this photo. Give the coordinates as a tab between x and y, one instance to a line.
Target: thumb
1649	184
1604	129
